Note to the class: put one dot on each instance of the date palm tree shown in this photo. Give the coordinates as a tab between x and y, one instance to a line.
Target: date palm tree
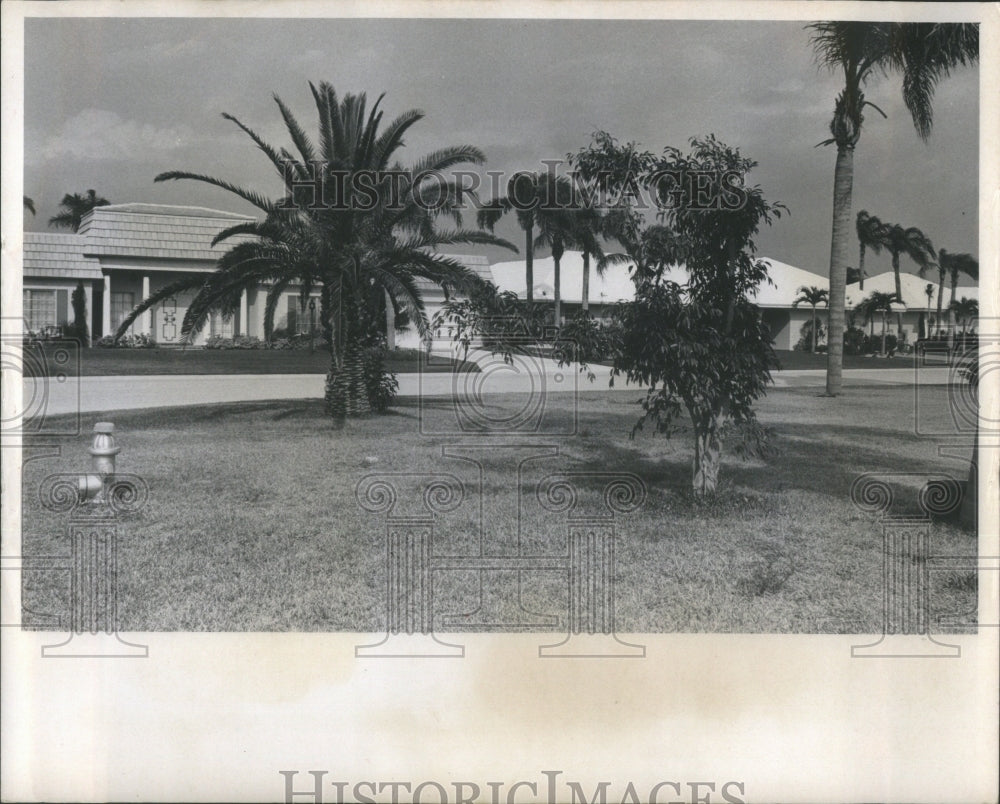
870	235
73	207
916	245
812	296
923	53
358	241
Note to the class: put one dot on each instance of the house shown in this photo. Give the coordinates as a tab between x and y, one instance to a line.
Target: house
124	252
775	300
919	297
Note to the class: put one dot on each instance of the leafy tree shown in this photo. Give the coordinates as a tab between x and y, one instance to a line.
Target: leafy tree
870	235
73	207
812	296
352	222
923	53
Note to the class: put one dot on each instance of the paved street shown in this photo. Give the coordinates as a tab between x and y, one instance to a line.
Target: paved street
526	375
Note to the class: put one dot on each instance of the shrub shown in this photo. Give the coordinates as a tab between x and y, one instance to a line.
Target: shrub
855	341
805	337
141	341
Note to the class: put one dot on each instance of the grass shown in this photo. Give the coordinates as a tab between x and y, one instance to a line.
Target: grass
99	362
253	525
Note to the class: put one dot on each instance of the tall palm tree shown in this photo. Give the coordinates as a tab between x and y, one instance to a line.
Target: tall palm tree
923	53
812	296
925	327
358	248
870	235
525	193
915	244
73	207
588	228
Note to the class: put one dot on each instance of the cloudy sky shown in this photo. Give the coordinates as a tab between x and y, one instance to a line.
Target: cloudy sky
109	103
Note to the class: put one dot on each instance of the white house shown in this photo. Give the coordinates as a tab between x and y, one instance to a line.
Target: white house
919	297
124	252
616	285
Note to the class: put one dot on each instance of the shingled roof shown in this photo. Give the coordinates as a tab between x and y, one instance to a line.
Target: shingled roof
59	256
157	231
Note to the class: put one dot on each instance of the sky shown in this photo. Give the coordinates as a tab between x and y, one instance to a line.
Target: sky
110	103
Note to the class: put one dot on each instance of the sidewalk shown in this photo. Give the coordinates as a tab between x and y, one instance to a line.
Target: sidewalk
526	375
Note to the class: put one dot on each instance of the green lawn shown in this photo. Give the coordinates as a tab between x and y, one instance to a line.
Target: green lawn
253	525
99	362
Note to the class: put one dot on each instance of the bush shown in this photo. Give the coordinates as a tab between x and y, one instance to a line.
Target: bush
805	337
855	341
239	342
141	341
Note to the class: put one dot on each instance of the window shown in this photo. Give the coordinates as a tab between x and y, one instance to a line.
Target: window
220	326
121	306
39	309
301	322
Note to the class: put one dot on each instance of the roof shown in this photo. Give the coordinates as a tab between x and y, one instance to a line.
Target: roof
157	231
616	284
58	256
474	262
914	290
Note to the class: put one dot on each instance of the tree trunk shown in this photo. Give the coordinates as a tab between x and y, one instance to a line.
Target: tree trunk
843	183
951	312
529	264
707	458
556	294
861	266
937	321
899	295
813	351
585	306
884	328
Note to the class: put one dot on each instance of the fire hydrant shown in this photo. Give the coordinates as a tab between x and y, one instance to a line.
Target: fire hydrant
93	487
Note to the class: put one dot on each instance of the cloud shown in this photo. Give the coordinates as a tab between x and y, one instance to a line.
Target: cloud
100	135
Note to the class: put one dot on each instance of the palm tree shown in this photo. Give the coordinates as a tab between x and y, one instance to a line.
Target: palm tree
913	243
929	293
877	302
812	296
358	250
556	228
73	207
870	235
588	227
29	205
924	53
952	265
966	311
525	193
